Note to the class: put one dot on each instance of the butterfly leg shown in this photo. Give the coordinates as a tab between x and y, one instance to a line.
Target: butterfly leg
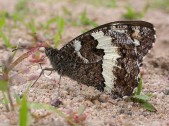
59	83
42	72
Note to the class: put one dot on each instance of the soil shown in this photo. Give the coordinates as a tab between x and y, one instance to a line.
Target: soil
101	110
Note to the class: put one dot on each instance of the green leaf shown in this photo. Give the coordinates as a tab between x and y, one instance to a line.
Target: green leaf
130	13
57	40
51	21
148	106
139	87
32	27
18	100
5	40
5	100
2	22
112	3
141	97
3	85
21	5
35	105
16	16
84	19
23	112
66	11
81	110
61	24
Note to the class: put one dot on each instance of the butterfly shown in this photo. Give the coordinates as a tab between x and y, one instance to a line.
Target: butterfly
107	57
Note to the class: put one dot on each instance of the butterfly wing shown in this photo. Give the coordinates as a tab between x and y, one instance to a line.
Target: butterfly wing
108	57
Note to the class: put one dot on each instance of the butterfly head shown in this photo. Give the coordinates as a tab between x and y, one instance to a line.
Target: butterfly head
50	51
53	55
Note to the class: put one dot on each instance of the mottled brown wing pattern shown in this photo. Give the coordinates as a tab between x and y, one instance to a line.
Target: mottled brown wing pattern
107	57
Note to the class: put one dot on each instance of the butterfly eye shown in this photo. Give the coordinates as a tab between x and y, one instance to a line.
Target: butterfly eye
48	51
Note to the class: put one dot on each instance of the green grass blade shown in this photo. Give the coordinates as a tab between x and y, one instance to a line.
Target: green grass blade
61	25
139	87
5	101
35	105
130	13
84	19
24	109
47	107
32	27
21	5
57	40
81	110
50	21
24	112
2	22
3	85
18	99
141	97
148	106
5	40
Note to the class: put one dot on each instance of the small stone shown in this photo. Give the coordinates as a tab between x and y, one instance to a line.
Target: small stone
154	63
64	94
59	123
160	95
47	100
155	123
103	98
104	105
56	103
129	113
4	121
145	113
166	91
122	111
125	97
88	103
96	102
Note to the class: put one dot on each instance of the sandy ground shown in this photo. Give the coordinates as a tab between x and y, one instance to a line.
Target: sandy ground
100	112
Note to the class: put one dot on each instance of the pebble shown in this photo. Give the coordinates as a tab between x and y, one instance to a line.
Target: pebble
160	95
156	123
96	102
129	113
103	98
121	111
64	94
166	91
59	123
88	103
56	103
47	100
4	120
104	105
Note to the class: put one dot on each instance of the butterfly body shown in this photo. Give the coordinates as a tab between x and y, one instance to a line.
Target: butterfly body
107	57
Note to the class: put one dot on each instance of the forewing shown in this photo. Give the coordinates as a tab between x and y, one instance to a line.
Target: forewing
109	56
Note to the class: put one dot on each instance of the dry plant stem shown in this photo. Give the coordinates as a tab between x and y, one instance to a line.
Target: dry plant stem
10	99
42	72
